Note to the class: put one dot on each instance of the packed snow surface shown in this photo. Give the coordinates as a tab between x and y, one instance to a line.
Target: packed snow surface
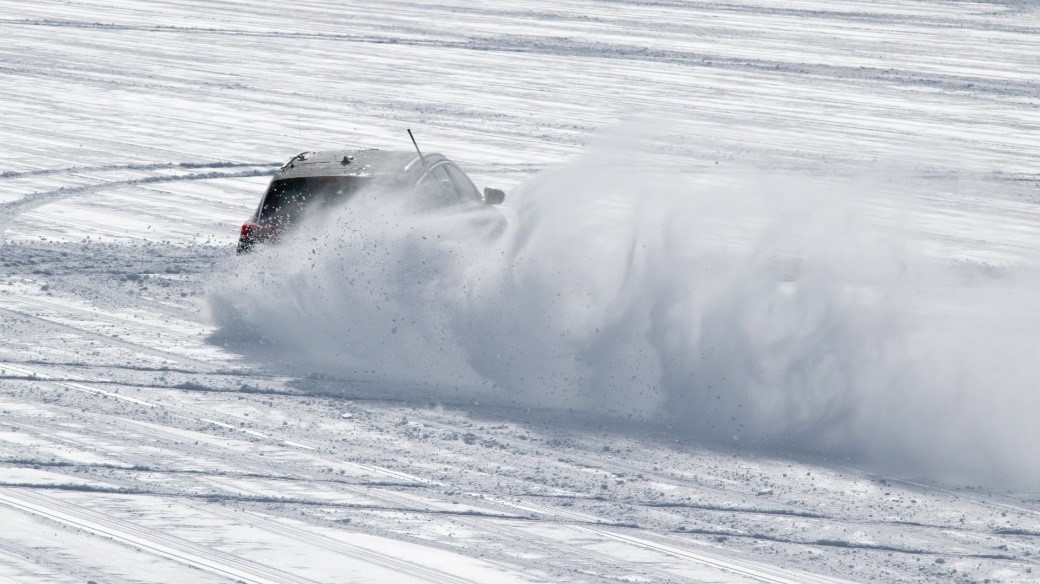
763	310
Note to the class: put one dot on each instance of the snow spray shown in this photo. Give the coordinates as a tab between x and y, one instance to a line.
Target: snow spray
779	314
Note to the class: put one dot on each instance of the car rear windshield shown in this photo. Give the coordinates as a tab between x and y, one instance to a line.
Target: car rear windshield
289	199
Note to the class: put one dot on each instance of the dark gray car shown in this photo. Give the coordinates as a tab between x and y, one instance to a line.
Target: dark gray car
311	182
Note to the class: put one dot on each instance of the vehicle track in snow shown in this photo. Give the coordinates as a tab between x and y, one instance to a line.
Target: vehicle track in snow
752	521
571	47
206	558
758	571
36	564
12	174
598	531
184	411
339	547
89	324
10	210
478	521
191	414
395	502
113	90
776	100
145	539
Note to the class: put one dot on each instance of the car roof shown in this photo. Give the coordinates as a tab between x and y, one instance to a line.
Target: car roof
389	164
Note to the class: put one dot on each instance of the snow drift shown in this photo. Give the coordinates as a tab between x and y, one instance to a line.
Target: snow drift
776	314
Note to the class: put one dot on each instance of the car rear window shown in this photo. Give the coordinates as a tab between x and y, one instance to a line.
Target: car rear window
289	199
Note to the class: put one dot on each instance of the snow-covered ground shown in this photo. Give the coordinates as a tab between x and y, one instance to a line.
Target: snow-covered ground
871	169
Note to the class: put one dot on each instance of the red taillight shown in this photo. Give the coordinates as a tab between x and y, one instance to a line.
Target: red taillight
248	230
248	236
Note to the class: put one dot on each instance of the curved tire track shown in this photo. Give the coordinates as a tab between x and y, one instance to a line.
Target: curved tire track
12	209
12	174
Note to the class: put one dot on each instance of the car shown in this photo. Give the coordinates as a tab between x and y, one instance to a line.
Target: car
314	182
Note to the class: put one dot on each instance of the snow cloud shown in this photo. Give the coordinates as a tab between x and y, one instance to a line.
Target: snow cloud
778	314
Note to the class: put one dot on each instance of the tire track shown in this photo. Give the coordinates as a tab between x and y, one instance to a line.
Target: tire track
573	47
758	571
13	174
186	412
44	568
170	356
755	570
564	518
360	553
9	211
479	521
337	546
148	540
194	413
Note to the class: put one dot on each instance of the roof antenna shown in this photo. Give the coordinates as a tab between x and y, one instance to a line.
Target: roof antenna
421	157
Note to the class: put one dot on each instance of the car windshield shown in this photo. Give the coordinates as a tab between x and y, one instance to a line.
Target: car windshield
289	199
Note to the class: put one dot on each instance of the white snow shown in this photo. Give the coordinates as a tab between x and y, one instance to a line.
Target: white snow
825	211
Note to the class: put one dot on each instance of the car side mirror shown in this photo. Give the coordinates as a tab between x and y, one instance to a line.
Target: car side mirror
494	196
